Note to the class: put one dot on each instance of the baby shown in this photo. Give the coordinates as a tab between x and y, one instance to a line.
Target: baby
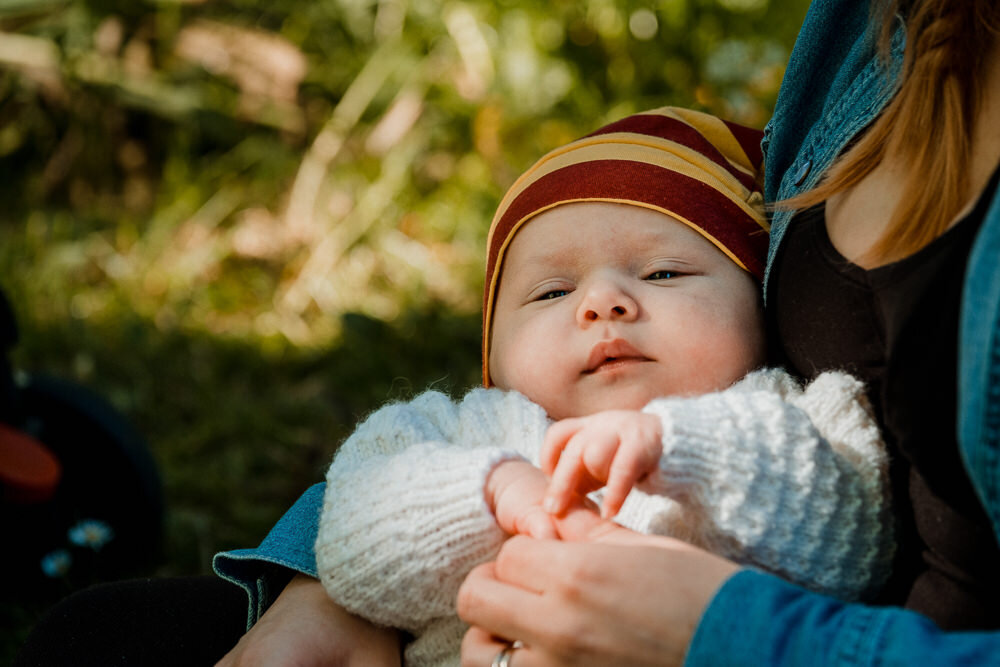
622	329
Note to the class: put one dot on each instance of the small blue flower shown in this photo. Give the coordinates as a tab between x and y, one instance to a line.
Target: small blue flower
91	533
56	563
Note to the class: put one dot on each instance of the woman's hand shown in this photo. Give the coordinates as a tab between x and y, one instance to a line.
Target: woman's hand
620	599
305	628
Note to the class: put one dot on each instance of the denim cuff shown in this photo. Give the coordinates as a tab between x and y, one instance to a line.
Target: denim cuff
264	571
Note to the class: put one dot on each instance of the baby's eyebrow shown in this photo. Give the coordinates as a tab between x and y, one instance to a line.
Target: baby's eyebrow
564	257
568	255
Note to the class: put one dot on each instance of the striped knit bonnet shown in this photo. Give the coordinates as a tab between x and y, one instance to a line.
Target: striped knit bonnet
695	167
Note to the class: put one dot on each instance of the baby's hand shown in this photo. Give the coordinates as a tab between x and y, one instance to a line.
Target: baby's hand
514	491
614	449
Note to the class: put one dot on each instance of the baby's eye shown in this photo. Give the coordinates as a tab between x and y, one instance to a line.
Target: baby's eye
552	294
662	275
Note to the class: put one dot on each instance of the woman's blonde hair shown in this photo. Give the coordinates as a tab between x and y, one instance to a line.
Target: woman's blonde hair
928	125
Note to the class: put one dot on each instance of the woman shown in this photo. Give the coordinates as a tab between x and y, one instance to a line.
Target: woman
893	276
874	280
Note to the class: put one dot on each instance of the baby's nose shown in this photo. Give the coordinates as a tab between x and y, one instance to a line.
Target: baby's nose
607	301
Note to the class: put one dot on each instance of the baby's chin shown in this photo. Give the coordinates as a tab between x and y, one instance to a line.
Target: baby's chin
619	398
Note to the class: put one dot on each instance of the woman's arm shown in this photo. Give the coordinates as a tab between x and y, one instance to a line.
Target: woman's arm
643	600
304	627
787	625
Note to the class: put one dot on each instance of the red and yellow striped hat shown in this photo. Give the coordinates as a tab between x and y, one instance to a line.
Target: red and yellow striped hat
697	168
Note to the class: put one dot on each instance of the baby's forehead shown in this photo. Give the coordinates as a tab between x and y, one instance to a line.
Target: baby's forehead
579	229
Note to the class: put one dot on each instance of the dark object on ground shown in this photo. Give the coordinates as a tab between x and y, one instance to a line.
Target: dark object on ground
95	514
148	622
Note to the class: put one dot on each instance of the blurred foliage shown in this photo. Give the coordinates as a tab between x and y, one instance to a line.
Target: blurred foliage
249	223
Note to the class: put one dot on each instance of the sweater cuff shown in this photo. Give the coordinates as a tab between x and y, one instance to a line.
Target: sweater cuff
683	466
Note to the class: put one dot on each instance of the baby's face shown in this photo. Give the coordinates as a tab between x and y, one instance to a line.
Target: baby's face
607	306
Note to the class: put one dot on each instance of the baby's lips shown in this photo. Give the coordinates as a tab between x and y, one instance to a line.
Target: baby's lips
618	348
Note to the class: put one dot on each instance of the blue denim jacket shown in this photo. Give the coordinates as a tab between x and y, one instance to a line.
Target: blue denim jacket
833	87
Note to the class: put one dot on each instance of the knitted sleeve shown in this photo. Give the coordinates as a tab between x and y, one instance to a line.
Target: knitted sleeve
404	517
791	481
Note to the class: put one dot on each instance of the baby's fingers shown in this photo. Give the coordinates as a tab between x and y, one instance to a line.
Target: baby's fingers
634	460
621	478
565	481
556	439
582	468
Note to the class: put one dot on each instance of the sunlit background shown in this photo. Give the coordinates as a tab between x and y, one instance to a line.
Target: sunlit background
245	223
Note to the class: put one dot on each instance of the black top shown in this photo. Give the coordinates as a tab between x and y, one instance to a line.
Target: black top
896	328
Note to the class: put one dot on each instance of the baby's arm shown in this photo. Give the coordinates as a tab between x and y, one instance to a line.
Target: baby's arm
405	516
794	482
763	473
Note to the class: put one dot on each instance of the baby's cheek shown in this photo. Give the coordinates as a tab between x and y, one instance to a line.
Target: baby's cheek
735	358
534	373
739	341
713	362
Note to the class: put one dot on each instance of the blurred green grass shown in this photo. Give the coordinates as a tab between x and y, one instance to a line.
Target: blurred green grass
239	433
248	224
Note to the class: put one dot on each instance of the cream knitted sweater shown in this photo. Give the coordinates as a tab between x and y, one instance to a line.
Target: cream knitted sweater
764	473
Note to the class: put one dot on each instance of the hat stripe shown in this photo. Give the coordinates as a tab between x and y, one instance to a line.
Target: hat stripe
675	130
675	158
729	139
721	133
734	141
749	140
643	129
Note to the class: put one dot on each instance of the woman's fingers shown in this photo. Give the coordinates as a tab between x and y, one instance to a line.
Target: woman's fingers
507	609
528	563
480	648
583	522
538	524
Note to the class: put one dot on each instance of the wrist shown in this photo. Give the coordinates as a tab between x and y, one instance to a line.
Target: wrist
301	589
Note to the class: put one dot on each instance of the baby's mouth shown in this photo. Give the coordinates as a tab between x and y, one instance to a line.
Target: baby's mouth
608	355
